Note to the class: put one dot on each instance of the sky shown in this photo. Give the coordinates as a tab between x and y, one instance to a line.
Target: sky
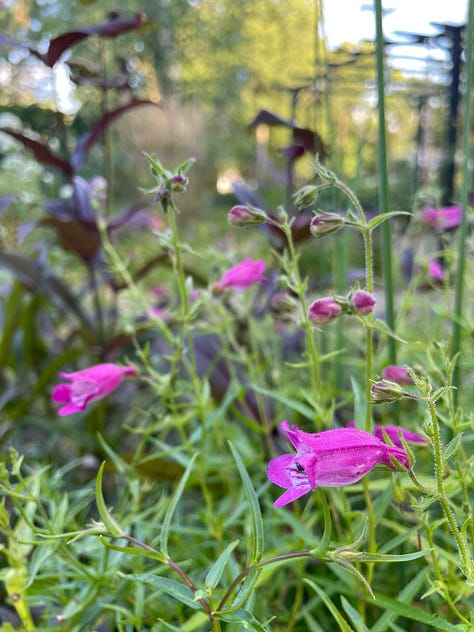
346	21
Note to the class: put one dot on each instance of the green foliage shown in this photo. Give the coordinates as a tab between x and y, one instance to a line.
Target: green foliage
151	509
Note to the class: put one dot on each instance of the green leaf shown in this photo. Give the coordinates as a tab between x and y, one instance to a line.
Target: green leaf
378	219
215	572
243	616
360	405
344	626
165	528
245	589
326	537
397	607
354	616
112	525
382	557
130	550
255	513
180	592
289	403
451	447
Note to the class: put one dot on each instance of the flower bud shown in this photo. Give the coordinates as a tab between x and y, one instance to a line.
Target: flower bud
306	195
385	392
363	302
323	310
246	216
178	182
322	225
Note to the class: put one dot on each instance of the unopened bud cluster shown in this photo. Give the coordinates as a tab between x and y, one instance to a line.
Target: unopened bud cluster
327	308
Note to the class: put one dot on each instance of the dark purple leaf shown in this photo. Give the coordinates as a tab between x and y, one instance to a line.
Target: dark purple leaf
245	195
264	117
86	141
75	236
311	141
292	152
41	152
112	28
136	217
39	278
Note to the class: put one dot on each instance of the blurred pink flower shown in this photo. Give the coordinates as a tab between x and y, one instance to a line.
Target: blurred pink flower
331	458
323	310
397	373
242	276
435	271
158	312
439	219
159	291
88	385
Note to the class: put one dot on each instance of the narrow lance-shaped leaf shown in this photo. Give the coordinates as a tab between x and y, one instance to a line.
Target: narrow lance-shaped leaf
255	513
40	151
57	46
165	528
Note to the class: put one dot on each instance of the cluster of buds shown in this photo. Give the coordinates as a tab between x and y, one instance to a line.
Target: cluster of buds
325	309
168	182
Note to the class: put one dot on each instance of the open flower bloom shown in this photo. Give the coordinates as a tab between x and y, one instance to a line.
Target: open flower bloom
242	276
331	458
88	385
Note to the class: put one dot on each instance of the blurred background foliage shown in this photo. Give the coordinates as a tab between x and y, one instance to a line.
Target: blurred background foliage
212	66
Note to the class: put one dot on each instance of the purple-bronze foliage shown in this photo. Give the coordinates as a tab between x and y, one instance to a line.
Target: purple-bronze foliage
331	458
88	385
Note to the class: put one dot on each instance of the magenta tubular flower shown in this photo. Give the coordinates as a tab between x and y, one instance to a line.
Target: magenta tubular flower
363	302
88	385
242	276
436	272
331	458
440	219
323	310
397	373
392	434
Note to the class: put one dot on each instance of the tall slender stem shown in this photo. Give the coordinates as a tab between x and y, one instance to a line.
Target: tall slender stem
466	185
300	290
382	173
467	564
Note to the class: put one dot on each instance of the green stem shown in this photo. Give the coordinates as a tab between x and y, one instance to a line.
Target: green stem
382	173
300	291
466	560
269	560
466	185
183	293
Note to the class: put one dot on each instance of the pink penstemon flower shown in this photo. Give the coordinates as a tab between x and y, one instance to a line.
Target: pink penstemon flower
440	219
331	458
242	276
88	385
